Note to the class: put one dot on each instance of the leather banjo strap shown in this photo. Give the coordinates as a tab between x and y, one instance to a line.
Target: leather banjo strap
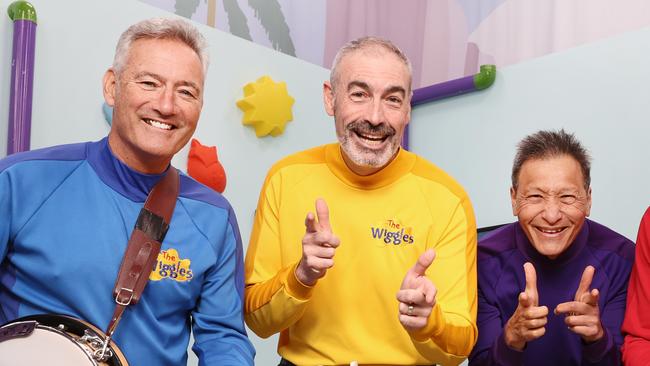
144	245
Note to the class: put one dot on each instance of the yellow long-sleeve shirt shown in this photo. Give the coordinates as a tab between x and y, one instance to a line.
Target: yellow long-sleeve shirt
384	221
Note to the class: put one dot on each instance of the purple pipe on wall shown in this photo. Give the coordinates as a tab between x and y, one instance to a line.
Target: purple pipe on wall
443	90
451	88
22	76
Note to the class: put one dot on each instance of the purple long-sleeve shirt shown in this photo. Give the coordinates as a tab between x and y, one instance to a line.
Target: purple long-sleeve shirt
501	256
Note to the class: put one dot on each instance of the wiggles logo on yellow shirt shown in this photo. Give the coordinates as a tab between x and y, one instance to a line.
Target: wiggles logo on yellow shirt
393	232
170	265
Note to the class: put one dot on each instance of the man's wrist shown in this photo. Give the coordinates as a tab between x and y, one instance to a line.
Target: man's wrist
303	277
502	354
598	336
515	345
295	288
594	352
511	340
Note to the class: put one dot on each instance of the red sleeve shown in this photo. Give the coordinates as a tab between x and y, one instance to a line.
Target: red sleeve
636	327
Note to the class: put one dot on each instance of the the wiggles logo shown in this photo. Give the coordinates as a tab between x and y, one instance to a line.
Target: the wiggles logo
170	265
393	232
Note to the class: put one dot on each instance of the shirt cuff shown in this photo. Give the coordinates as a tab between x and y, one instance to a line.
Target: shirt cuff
430	330
504	355
295	288
596	351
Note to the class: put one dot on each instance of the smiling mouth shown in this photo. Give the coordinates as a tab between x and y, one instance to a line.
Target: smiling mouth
373	139
158	124
550	231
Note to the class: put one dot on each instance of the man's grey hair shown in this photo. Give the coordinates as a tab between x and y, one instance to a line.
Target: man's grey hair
363	44
550	144
161	28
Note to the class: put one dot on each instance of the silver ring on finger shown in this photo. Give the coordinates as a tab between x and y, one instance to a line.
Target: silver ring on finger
317	271
410	310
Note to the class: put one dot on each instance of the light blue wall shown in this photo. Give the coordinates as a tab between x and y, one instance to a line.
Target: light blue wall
598	91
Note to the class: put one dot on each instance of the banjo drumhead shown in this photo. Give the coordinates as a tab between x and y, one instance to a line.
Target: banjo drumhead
43	347
49	345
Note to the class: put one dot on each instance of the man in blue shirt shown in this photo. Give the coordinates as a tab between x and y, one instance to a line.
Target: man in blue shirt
68	211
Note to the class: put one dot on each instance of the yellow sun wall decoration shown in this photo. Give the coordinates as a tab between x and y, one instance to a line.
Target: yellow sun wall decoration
266	106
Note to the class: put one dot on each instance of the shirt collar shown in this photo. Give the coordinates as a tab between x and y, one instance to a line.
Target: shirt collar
119	176
398	167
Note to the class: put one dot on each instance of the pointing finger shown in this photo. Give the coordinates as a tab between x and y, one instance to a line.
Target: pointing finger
410	296
575	308
310	223
531	281
585	282
423	263
429	291
536	312
323	213
524	300
593	297
334	241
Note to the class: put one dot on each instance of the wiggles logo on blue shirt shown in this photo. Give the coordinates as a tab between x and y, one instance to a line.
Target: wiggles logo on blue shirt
393	232
170	265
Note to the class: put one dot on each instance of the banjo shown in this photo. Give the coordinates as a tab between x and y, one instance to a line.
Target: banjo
59	340
56	340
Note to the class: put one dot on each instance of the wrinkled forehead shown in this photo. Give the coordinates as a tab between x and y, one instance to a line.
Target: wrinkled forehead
168	47
376	60
553	173
170	58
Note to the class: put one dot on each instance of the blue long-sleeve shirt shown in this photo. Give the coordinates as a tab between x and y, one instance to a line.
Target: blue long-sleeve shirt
501	255
66	214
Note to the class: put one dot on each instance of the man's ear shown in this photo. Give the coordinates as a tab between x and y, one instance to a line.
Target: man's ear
108	82
588	203
328	98
513	200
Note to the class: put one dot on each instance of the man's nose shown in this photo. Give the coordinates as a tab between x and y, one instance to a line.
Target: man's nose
552	211
166	103
376	112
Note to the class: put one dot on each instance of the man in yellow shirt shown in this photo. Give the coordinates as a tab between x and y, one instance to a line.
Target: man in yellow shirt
400	230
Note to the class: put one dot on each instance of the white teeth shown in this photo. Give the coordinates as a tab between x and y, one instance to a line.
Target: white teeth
372	138
548	231
162	126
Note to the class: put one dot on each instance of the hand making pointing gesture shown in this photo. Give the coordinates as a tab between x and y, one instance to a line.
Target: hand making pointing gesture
417	295
318	246
528	321
583	314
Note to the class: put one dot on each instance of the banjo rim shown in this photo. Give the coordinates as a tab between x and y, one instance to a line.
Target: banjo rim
72	326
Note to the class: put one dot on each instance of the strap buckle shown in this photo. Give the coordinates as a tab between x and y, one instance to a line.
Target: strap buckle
127	301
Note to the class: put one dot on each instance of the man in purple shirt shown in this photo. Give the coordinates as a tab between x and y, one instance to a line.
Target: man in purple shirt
552	286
